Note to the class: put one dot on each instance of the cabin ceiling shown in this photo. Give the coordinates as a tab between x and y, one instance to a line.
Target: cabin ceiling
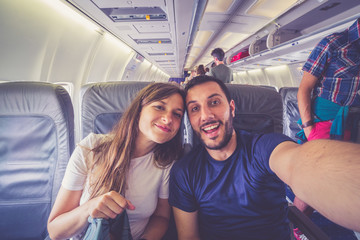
180	34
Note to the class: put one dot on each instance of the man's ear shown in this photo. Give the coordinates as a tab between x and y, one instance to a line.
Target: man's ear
232	107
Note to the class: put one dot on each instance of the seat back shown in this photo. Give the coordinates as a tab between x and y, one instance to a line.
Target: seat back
257	109
36	141
269	87
104	103
291	111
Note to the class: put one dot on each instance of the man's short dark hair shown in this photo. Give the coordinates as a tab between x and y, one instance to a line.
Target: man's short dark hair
218	53
203	79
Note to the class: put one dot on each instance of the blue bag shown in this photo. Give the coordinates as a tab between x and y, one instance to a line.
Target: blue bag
102	229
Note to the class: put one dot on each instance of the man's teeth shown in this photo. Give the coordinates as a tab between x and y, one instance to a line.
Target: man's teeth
211	127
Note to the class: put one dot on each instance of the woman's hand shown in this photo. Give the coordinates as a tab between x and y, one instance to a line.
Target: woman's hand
68	218
108	205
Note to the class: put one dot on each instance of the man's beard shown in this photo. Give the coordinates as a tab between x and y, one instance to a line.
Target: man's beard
227	136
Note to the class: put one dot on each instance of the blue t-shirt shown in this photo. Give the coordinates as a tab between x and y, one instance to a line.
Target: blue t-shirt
239	198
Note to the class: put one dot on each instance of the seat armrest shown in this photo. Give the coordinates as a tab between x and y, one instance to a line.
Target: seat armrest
304	223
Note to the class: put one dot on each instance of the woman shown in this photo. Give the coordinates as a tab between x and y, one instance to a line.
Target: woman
126	169
200	70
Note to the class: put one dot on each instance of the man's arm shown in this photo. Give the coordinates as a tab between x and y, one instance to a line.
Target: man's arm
186	224
304	99
325	174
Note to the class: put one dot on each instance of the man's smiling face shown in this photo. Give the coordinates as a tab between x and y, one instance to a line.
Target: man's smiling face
210	114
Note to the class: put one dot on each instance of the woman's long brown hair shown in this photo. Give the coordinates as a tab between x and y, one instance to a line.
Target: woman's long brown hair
112	157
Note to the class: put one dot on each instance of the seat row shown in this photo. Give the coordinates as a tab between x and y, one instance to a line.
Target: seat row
37	138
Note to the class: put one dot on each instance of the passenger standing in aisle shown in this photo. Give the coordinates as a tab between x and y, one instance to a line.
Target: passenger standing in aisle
329	92
220	71
200	70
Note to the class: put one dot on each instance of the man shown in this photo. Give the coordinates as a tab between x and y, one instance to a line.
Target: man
231	186
220	71
332	76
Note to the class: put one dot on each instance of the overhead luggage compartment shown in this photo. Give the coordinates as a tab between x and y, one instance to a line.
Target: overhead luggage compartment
291	37
279	36
257	46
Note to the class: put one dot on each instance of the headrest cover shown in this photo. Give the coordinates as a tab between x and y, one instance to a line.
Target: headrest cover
291	111
257	109
104	103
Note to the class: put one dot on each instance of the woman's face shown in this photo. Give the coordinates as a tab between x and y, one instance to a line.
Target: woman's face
160	120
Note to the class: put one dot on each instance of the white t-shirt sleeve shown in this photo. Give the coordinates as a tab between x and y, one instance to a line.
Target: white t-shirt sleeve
76	170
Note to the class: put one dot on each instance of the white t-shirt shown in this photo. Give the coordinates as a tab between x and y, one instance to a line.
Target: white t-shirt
146	182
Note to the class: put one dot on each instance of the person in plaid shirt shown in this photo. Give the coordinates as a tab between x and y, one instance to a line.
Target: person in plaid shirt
329	92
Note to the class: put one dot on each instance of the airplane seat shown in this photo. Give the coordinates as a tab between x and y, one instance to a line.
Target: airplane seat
290	116
257	109
291	111
269	87
104	103
36	141
186	133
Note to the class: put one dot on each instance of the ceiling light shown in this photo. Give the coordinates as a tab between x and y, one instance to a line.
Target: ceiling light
202	38
131	14
153	41
220	6
160	54
230	40
270	9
